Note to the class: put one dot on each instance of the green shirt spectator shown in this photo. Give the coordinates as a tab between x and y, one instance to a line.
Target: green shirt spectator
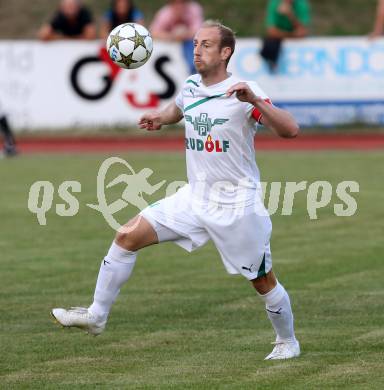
287	16
285	19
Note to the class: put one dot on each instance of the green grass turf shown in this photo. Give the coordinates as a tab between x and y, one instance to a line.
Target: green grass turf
181	322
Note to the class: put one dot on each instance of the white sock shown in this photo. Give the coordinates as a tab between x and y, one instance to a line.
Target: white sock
115	270
279	311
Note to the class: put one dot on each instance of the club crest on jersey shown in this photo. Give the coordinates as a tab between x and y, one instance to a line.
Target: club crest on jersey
203	124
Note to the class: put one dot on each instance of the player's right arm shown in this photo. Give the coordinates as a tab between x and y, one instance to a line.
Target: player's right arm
156	119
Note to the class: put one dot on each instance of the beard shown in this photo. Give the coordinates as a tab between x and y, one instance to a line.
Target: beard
205	69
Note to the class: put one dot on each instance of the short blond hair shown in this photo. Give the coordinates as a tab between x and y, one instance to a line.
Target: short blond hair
227	35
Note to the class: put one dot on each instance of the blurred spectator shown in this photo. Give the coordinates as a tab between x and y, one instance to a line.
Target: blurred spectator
379	20
121	11
9	148
285	19
71	21
179	21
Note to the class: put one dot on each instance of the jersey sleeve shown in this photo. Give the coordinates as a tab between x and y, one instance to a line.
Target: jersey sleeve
190	84
271	13
303	12
252	111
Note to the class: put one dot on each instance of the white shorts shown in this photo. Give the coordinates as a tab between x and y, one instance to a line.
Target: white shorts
242	238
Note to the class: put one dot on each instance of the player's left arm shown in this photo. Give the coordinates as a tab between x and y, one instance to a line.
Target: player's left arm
278	120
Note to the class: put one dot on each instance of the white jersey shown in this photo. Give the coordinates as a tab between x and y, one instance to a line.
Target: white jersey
219	141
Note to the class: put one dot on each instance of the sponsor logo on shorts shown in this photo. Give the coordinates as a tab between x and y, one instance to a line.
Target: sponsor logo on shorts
251	269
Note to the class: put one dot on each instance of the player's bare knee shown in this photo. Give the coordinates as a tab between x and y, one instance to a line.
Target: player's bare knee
136	234
125	236
265	283
123	239
260	284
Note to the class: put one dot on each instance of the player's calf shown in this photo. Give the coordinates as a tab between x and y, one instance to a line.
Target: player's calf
278	307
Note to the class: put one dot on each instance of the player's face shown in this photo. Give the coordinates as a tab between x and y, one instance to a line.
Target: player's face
207	53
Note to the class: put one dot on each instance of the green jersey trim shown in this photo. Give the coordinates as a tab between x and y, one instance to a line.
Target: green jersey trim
202	101
193	82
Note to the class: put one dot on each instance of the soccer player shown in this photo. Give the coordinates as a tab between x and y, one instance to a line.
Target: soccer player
221	201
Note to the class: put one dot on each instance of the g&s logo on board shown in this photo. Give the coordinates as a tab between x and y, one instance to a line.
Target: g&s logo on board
153	99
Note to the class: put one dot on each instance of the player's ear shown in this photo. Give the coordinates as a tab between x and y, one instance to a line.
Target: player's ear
226	53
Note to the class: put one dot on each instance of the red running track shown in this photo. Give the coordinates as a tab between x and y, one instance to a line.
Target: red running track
262	142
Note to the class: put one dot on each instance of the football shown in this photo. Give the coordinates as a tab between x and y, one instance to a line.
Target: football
129	45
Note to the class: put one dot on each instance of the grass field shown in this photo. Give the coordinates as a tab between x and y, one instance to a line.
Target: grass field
181	322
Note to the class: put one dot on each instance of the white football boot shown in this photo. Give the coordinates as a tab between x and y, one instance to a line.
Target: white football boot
284	350
79	317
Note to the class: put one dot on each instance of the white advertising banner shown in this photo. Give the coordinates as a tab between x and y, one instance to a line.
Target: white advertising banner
322	81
